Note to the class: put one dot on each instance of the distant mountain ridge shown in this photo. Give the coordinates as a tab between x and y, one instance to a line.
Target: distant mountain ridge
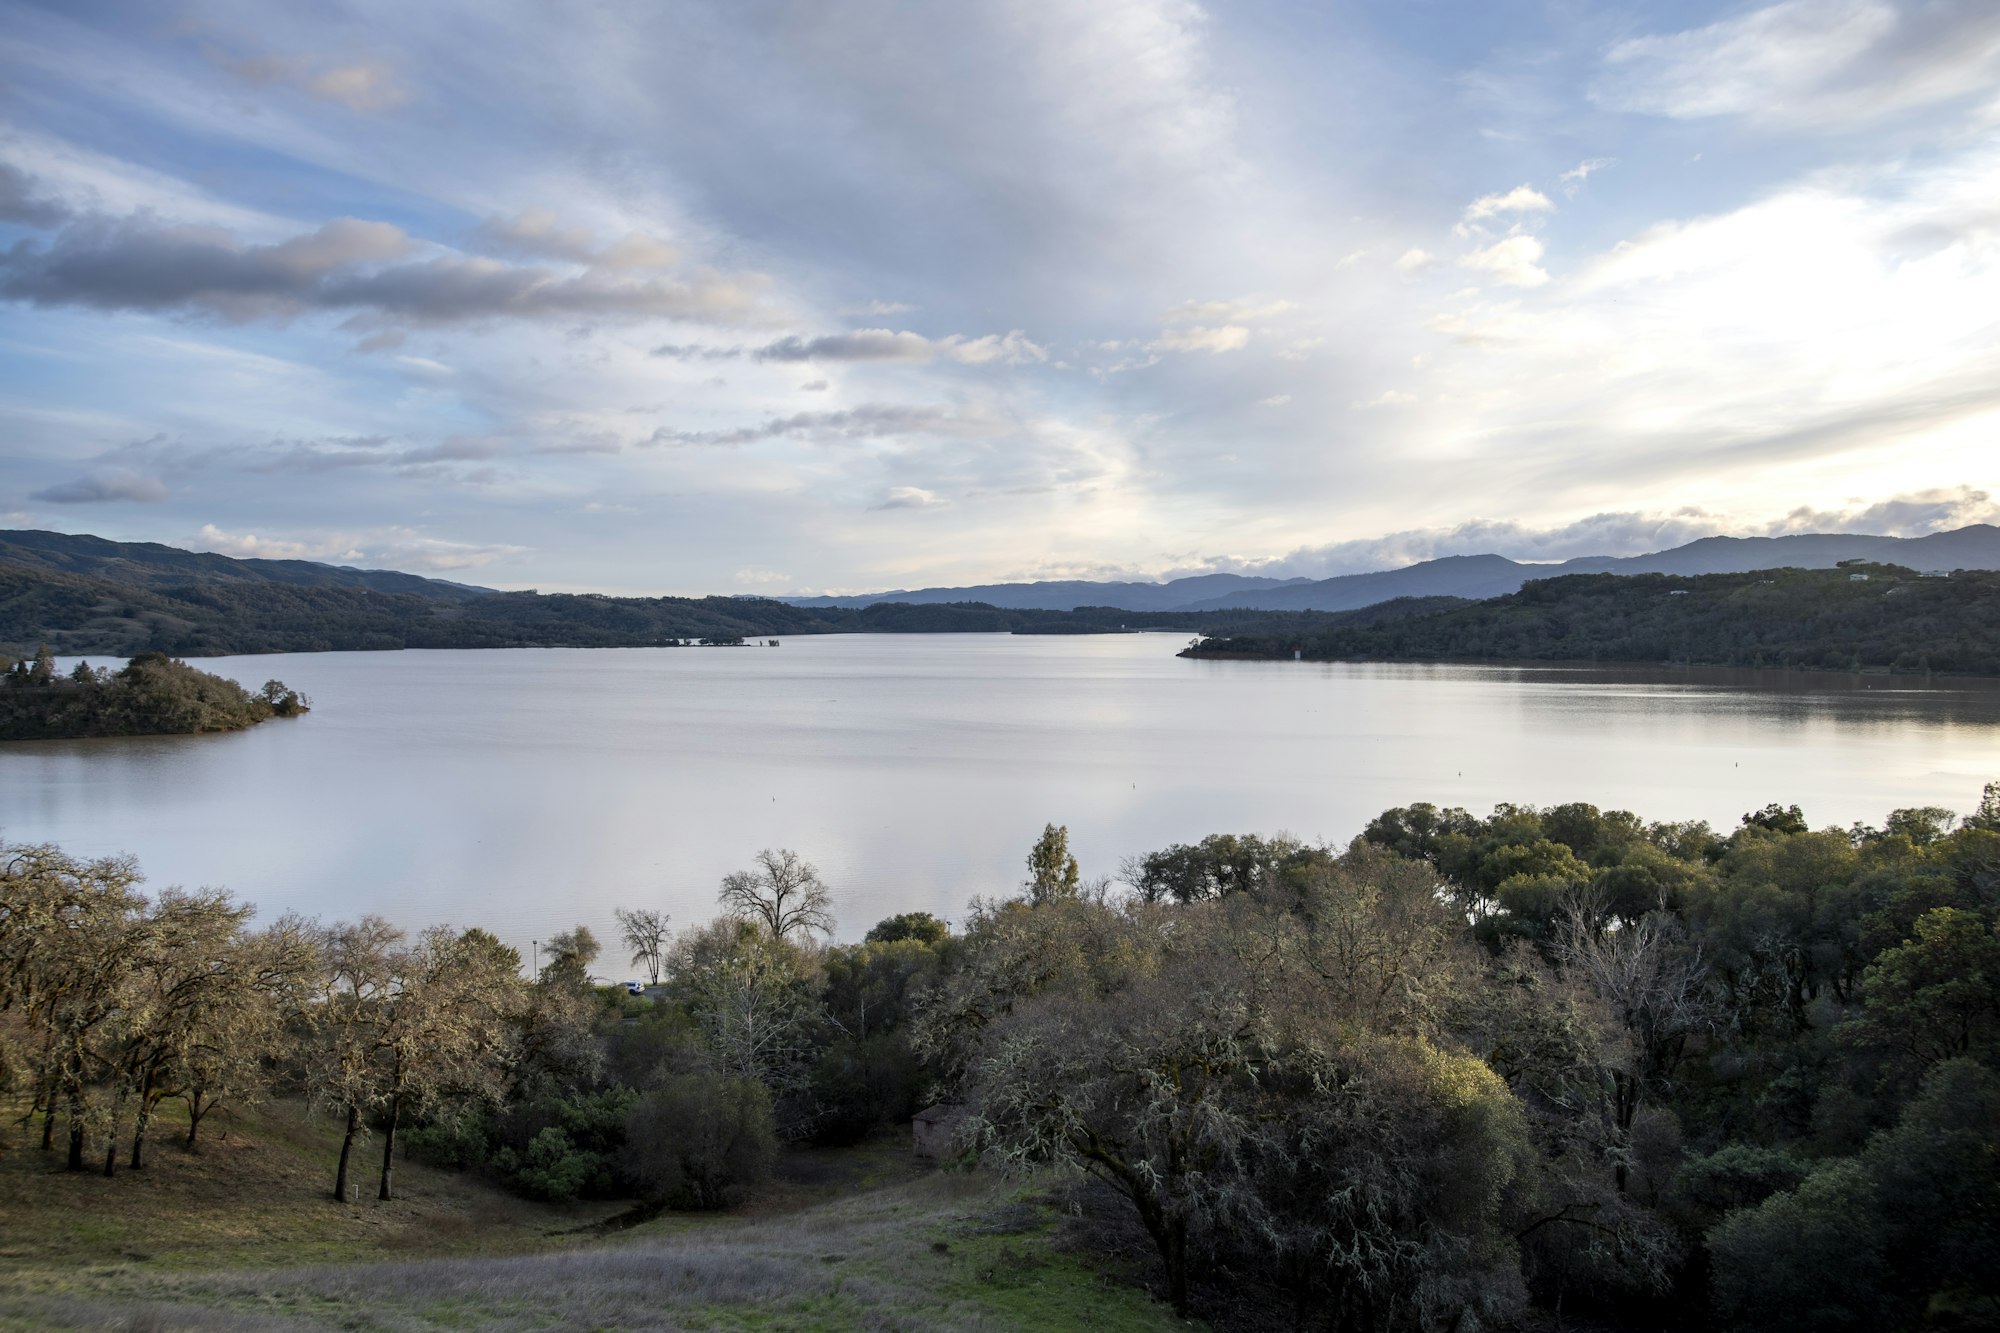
1068	594
1475	577
151	565
154	567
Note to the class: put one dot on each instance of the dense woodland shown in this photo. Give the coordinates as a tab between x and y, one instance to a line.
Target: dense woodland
1459	1072
152	695
84	614
1855	618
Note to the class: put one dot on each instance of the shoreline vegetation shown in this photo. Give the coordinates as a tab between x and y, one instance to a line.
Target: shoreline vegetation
152	695
1859	617
1550	1064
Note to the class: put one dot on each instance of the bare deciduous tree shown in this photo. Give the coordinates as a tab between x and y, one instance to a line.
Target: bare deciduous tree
1650	977
784	894
645	933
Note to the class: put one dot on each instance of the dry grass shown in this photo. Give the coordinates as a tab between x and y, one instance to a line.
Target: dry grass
255	1194
242	1237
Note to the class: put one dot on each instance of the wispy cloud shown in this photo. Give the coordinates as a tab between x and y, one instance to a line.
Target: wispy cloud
1011	348
909	497
1814	64
362	85
873	421
349	266
105	486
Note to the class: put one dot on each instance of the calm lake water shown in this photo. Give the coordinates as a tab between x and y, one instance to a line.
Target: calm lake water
527	790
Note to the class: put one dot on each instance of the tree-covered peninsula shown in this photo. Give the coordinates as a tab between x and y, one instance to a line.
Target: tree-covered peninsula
1859	617
153	695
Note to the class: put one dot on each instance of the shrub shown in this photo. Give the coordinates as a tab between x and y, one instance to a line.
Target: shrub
859	1085
556	1147
556	1169
701	1140
456	1143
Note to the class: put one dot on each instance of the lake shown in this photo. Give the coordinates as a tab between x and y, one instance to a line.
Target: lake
527	790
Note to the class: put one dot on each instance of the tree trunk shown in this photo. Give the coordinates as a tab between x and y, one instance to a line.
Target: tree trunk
145	1117
389	1146
111	1154
75	1140
346	1149
1170	1237
195	1112
1175	1252
45	1102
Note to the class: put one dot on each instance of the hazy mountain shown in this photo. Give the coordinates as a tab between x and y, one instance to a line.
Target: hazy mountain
1480	576
151	565
1067	595
1470	576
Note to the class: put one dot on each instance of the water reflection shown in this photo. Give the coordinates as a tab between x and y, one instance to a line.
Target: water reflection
526	790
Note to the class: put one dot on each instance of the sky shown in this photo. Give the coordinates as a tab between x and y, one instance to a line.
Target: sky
641	296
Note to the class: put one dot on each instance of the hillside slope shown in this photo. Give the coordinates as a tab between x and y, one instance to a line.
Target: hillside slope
1881	617
151	565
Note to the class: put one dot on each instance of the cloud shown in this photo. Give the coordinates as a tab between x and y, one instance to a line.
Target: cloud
1815	64
910	497
1240	311
1617	533
345	265
1515	261
104	486
868	422
539	234
1275	400
1520	199
1573	179
1227	338
877	309
1011	348
249	546
362	86
1414	260
137	266
379	548
336	454
1912	515
20	203
1389	398
366	86
860	345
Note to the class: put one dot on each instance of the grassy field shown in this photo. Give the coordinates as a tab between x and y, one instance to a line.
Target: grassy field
242	1236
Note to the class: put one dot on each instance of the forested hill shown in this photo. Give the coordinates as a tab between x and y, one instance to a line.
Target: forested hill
1858	617
151	565
81	614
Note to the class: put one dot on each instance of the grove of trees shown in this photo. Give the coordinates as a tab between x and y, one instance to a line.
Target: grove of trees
151	695
1463	1072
